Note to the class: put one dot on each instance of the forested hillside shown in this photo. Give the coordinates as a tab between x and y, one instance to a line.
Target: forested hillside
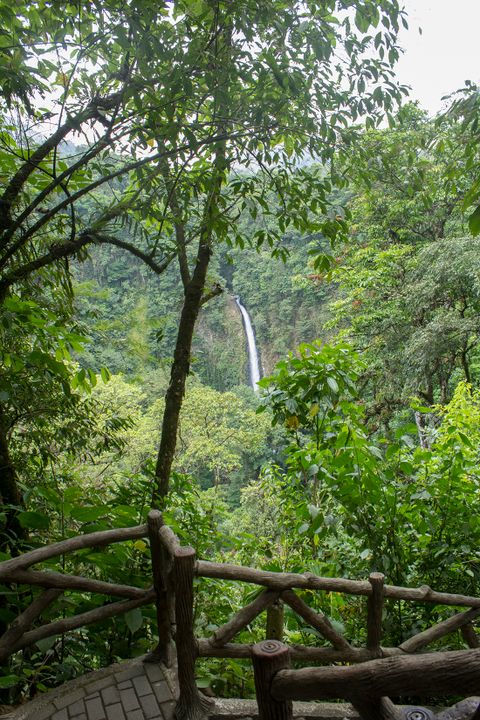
131	317
186	157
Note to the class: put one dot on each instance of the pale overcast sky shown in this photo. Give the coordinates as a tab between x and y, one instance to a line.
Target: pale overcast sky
446	54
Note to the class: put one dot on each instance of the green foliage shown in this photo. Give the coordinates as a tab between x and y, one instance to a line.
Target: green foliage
407	292
234	156
464	110
403	502
44	394
307	388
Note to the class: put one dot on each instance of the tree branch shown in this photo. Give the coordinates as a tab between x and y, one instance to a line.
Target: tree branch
23	173
158	268
112	176
70	247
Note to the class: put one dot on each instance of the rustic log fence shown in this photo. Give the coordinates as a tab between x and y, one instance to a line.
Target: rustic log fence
17	570
367	677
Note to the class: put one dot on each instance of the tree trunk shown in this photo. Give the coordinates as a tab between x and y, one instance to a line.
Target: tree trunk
422	430
179	372
465	365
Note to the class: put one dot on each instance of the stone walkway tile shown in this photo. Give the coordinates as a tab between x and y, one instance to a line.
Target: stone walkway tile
76	708
167	709
80	717
136	715
95	709
129	700
142	685
115	712
91	696
60	715
68	699
149	706
110	695
162	691
125	685
154	671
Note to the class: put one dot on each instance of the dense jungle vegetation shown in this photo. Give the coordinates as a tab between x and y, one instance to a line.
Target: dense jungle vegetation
155	163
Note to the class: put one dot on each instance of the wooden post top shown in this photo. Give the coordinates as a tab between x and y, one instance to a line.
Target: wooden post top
270	649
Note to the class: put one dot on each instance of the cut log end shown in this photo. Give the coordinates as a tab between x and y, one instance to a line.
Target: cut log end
184	551
269	649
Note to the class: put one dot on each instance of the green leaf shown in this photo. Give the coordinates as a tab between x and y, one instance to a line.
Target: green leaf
105	373
87	514
374	450
333	385
203	682
361	21
33	520
134	620
474	222
8	681
46	643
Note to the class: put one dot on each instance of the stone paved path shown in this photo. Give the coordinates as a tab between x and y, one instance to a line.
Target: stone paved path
131	690
134	690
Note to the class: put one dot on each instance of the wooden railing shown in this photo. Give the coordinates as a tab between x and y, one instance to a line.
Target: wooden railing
378	671
17	570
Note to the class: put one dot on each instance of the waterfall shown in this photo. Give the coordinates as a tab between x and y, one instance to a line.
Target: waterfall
254	365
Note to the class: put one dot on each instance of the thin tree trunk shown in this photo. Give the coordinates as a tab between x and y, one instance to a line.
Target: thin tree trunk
465	365
179	372
422	430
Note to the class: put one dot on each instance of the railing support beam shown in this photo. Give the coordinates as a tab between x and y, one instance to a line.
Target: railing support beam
275	621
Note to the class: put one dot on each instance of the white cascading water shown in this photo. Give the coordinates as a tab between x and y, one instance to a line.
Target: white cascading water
254	365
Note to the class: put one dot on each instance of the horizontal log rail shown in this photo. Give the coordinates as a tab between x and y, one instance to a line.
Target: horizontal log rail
299	653
50	579
450	672
308	581
95	539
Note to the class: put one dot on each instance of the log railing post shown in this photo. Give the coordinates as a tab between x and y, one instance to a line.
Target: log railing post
275	620
190	705
161	565
268	658
374	613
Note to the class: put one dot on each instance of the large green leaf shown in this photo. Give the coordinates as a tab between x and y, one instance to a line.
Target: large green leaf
474	221
33	520
134	620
